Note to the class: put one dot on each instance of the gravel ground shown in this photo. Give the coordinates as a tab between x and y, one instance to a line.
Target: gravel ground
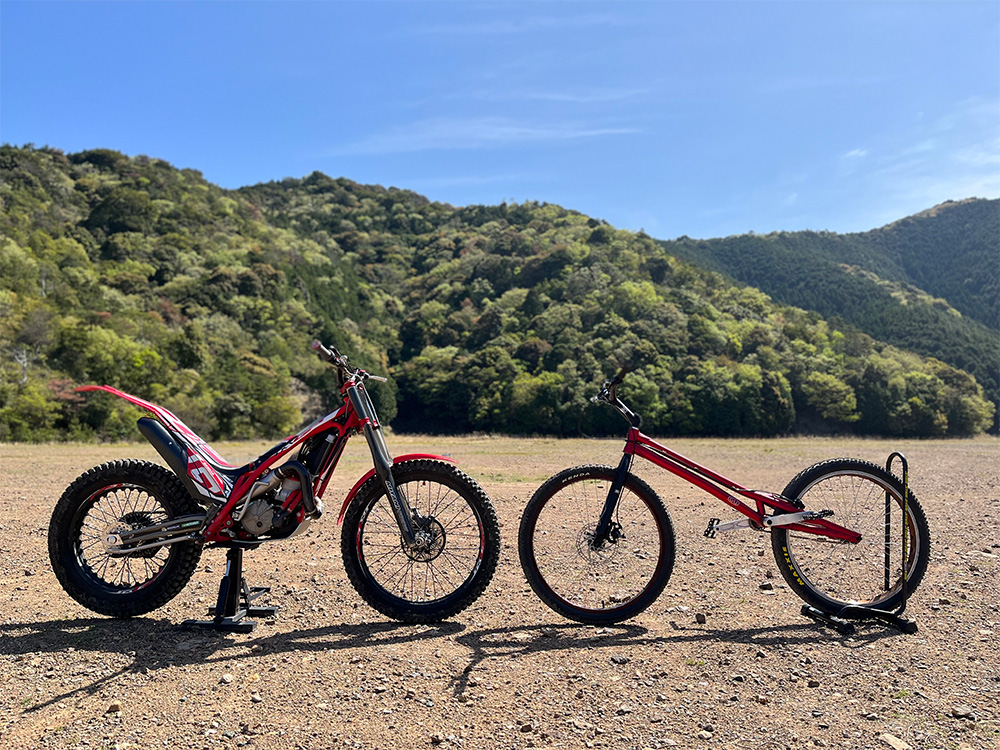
328	672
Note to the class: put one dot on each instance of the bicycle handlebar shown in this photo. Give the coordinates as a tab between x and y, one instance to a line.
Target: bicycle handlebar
609	393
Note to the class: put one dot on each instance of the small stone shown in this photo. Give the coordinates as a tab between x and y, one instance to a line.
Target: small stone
114	708
227	679
704	735
700	618
527	727
962	711
617	659
767	586
436	739
255	698
813	683
894	742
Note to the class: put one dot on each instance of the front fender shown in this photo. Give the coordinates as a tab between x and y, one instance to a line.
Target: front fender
371	473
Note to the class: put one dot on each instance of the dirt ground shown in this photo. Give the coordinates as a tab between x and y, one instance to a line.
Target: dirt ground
328	672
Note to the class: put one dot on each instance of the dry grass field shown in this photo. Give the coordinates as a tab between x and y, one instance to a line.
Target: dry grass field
328	672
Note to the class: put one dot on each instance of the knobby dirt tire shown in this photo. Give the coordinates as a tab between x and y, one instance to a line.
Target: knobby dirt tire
595	586
120	495
445	576
830	575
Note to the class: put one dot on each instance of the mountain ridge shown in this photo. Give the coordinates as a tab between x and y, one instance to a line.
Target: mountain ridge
502	318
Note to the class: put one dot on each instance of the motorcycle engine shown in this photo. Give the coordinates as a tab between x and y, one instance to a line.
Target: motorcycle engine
259	517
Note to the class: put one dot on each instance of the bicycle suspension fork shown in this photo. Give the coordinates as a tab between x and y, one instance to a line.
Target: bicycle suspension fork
383	463
606	526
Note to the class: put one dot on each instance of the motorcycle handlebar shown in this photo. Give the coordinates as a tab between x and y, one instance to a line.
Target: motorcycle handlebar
338	360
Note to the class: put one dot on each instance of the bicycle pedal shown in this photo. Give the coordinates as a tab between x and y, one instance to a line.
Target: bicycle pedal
713	527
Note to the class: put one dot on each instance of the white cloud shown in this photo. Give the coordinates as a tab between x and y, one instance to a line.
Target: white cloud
855	154
444	133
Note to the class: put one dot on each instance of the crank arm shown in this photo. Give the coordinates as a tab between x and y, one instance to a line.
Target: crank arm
715	525
788	519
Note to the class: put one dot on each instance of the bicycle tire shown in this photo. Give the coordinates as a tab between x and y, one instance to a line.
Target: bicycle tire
606	585
120	495
462	558
831	575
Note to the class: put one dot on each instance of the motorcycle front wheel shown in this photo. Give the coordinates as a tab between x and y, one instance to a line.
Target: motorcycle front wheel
454	559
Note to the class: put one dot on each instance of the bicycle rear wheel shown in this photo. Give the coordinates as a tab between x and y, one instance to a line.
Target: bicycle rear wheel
596	585
831	574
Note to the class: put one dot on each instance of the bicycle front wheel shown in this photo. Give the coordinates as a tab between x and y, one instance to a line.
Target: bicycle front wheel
831	574
580	579
447	569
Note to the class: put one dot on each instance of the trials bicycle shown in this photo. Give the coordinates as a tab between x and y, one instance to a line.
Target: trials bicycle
420	538
597	544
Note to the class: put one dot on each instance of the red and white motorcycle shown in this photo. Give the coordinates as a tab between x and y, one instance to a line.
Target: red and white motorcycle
420	538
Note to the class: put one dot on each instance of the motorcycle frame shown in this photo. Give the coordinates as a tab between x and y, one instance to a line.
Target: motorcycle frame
224	487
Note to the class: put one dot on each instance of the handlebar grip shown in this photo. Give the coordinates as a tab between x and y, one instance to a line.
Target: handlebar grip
620	377
323	353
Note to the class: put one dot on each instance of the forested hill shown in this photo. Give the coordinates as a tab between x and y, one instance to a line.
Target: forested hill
504	318
929	283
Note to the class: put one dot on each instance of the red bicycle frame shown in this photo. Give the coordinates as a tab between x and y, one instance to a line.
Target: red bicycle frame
791	515
643	446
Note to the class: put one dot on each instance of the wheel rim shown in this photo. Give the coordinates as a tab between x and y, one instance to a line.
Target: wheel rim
439	566
598	580
111	511
848	573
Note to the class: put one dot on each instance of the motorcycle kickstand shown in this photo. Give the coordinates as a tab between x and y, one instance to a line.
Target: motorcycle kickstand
234	606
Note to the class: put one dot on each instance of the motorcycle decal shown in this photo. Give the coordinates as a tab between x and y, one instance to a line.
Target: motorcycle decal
204	475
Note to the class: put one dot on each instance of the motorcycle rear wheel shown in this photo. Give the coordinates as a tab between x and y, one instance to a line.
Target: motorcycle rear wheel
111	498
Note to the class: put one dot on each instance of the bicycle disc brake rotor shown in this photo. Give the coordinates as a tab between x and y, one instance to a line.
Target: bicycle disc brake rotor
585	548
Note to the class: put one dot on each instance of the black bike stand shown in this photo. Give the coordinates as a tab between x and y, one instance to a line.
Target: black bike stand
235	598
840	620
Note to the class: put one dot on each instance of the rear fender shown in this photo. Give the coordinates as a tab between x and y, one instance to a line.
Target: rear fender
397	460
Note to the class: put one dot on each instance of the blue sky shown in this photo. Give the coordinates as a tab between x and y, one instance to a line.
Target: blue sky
681	118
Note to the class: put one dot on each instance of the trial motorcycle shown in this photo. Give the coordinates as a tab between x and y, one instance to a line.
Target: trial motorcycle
420	538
